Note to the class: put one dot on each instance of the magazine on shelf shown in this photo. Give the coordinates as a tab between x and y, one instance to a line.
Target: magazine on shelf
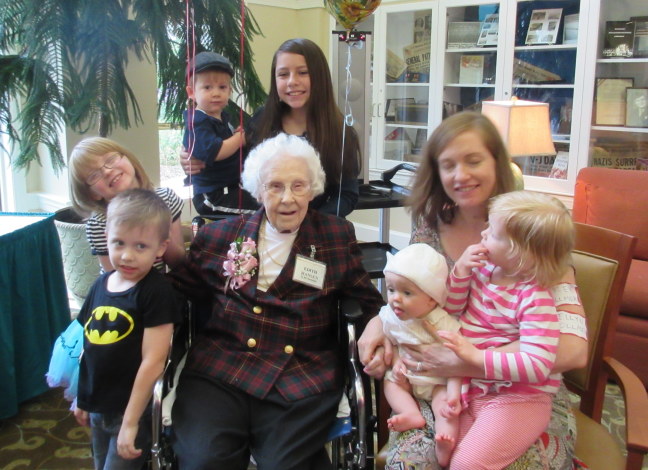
543	26
422	26
612	153
489	31
417	57
396	66
619	39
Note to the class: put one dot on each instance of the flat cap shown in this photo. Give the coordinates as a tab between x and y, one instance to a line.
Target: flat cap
211	61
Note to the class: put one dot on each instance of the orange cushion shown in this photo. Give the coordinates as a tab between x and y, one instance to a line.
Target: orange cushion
635	295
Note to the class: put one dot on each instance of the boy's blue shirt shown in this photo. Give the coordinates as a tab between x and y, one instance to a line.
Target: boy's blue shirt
208	135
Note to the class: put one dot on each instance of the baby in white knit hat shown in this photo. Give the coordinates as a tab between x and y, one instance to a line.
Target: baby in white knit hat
416	292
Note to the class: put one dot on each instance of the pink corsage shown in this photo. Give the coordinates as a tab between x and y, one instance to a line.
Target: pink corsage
241	263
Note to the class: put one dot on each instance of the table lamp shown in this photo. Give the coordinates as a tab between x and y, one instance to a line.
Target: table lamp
523	125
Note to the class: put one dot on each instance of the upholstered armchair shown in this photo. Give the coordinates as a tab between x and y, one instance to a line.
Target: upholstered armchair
616	199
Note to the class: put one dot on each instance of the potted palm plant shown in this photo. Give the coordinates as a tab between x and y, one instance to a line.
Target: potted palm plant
62	63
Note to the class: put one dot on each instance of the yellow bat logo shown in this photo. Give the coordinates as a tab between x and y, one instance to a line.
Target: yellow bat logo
107	325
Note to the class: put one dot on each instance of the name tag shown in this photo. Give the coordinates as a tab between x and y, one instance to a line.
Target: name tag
565	294
309	272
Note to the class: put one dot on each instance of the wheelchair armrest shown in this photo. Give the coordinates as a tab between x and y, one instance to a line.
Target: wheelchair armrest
351	310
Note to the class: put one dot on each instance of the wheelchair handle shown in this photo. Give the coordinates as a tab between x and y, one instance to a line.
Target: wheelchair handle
351	310
387	176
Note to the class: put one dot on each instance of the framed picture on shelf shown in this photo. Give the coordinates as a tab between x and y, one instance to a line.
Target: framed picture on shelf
489	30
610	101
392	104
543	26
412	113
450	108
463	34
636	107
570	29
640	48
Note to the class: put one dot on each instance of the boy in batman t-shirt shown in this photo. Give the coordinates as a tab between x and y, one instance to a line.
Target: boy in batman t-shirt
127	319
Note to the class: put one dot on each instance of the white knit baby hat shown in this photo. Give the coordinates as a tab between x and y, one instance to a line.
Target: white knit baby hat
424	266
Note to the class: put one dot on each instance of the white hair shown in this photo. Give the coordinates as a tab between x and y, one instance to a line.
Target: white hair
281	146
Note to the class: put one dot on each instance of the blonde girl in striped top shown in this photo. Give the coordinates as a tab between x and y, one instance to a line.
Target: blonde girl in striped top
500	289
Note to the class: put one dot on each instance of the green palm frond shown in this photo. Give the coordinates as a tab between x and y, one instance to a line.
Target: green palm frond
28	84
65	64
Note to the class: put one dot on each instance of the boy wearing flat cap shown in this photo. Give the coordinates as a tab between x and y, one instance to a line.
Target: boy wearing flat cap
209	137
416	280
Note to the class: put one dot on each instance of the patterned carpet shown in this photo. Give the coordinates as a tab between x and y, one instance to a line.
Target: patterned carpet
45	436
613	416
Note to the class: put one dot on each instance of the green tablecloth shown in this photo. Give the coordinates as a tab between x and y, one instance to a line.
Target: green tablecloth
34	310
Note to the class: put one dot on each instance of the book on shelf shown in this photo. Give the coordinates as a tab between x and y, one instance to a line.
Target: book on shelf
463	34
560	166
419	142
397	134
618	39
524	72
471	69
543	26
640	45
489	30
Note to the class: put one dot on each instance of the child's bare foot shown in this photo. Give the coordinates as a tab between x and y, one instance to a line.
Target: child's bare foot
405	421
444	446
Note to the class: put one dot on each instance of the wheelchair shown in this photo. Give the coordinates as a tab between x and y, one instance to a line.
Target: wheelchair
351	439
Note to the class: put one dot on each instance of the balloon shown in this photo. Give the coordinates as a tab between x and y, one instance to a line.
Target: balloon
351	12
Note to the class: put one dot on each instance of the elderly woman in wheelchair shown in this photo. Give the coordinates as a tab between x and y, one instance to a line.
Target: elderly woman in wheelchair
264	375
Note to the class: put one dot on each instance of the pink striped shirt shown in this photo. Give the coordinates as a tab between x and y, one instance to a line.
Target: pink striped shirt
493	315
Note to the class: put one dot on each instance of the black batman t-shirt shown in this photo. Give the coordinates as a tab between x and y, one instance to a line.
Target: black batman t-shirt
113	325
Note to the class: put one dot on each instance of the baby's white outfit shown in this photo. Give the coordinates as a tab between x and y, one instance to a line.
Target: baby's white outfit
412	332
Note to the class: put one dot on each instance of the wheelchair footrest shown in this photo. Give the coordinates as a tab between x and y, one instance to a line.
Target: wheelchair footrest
341	427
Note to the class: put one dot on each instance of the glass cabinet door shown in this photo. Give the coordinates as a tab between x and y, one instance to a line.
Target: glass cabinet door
545	68
470	56
619	126
402	57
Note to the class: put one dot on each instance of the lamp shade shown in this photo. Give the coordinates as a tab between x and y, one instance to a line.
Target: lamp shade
523	125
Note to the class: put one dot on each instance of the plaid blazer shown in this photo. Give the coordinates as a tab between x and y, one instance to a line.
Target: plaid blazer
285	337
